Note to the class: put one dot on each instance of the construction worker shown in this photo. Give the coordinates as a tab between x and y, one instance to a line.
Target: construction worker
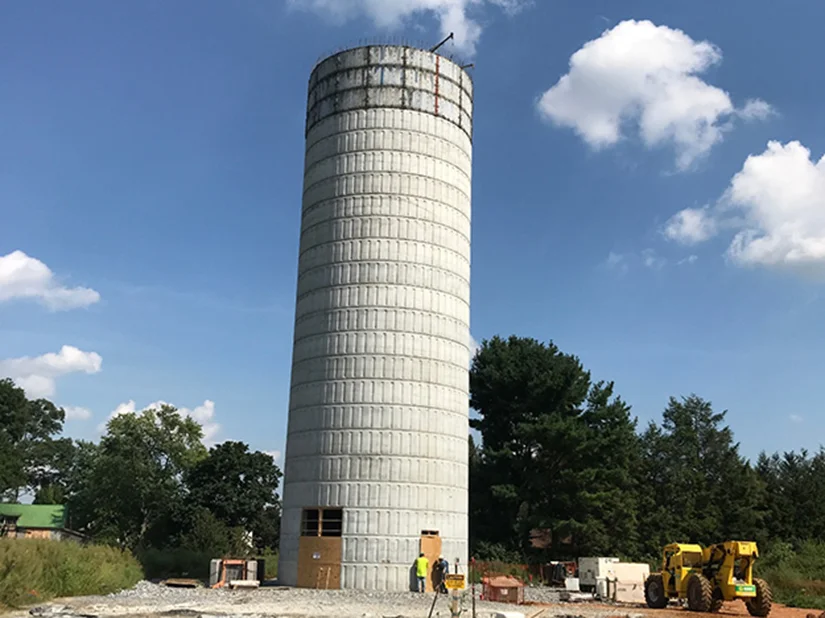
441	567
421	567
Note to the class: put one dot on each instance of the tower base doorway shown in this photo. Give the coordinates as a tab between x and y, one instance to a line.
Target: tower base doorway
319	549
430	546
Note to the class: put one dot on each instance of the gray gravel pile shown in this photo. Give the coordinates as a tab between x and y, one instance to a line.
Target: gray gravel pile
542	594
148	600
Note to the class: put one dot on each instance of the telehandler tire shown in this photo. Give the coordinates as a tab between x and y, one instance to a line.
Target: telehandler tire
699	593
718	600
655	595
761	604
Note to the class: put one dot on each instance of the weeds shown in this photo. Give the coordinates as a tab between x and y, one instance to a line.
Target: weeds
36	570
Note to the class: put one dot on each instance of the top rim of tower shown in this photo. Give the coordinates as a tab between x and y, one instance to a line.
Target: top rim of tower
395	42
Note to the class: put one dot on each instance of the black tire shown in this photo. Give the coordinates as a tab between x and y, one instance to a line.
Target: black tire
655	596
718	600
699	593
761	604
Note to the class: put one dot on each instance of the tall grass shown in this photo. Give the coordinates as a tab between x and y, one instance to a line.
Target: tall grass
36	570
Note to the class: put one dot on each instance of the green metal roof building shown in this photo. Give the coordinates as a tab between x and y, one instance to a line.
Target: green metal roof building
44	521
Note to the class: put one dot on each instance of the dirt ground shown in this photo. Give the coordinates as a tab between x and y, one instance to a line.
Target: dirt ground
733	608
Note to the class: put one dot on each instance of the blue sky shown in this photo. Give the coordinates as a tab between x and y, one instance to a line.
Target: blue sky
150	180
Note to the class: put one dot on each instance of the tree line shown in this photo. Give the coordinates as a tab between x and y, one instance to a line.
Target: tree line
148	485
561	460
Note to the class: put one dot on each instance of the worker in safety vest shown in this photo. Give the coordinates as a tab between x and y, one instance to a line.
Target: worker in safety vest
421	566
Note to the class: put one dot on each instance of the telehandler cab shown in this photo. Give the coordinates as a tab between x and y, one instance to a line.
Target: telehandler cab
709	576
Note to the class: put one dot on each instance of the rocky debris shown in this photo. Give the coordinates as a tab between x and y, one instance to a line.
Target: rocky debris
149	600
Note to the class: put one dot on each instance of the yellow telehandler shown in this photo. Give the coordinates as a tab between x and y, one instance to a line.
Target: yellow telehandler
708	576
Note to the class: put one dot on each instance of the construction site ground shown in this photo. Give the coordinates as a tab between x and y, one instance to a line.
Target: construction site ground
148	600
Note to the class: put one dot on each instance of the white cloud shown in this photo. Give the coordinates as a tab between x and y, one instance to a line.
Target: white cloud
756	109
776	206
688	260
475	346
646	75
37	374
22	276
690	226
76	413
781	196
452	15
276	455
795	418
204	414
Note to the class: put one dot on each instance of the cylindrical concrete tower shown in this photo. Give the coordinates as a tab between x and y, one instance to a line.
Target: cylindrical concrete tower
375	469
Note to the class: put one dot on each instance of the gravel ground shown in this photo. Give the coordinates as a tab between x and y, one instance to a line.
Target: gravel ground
148	600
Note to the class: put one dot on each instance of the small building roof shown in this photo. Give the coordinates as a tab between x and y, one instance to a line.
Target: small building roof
51	516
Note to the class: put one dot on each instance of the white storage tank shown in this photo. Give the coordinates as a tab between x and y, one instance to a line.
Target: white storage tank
375	468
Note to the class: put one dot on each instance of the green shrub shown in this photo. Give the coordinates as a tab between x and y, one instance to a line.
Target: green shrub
35	570
175	562
271	564
795	574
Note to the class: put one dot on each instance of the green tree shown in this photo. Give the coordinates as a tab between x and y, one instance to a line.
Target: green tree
29	453
794	498
132	492
558	452
235	484
695	487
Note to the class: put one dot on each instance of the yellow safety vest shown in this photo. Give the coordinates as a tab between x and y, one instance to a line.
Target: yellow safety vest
421	565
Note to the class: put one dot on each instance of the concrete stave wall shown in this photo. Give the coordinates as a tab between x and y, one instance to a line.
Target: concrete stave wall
378	419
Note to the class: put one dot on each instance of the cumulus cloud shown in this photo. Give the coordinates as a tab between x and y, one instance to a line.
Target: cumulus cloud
76	413
690	226
452	15
688	260
781	196
204	414
646	76
776	207
25	277
37	374
276	455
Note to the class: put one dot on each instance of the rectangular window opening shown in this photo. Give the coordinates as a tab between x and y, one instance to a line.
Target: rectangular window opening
332	522
310	522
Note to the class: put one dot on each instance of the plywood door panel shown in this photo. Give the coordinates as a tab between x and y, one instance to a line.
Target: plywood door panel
319	562
431	548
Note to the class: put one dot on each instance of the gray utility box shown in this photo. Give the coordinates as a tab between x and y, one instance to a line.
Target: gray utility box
214	571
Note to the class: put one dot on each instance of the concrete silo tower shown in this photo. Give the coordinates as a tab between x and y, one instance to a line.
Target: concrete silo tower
375	468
